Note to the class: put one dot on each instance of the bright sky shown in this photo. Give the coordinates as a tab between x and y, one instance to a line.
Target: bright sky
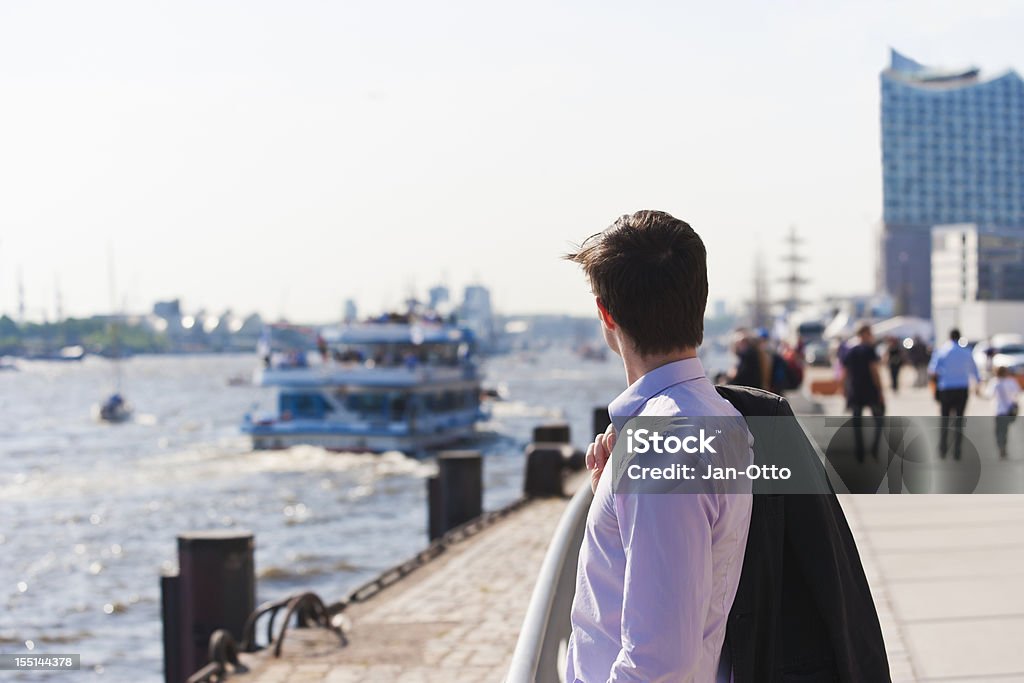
282	156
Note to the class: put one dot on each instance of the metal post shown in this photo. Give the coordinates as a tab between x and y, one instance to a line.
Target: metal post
434	530
457	497
554	432
171	617
216	590
545	464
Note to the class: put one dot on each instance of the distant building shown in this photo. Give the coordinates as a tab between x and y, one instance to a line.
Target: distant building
971	266
438	297
476	313
952	152
168	309
978	320
351	311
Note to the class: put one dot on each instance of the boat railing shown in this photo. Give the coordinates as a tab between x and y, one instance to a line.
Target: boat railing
360	374
540	651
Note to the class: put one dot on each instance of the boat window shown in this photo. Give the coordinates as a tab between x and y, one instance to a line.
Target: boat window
398	405
366	403
304	405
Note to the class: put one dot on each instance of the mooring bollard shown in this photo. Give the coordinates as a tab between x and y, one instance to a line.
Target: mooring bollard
169	613
456	494
215	589
545	467
553	432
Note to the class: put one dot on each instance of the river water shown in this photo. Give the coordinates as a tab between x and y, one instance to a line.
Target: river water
90	512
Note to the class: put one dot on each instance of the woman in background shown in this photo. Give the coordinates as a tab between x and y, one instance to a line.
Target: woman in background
1006	389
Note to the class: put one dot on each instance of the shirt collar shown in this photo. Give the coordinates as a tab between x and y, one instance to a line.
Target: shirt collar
630	401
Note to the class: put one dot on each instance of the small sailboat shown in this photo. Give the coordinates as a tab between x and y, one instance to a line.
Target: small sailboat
114	409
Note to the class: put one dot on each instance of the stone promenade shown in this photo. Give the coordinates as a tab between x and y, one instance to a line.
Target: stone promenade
946	571
947	574
456	619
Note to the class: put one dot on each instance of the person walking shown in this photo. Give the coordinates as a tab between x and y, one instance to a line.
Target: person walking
747	372
951	368
864	388
1005	388
894	358
918	356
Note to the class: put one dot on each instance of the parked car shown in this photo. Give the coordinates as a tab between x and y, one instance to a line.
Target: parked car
1002	350
816	354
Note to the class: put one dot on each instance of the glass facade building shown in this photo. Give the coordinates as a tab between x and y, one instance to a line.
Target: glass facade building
952	152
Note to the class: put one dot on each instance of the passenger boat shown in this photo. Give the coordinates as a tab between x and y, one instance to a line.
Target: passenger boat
406	383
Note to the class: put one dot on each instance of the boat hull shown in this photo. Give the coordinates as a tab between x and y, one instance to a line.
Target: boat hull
275	439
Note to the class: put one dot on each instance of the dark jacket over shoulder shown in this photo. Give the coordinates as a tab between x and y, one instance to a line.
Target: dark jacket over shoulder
803	609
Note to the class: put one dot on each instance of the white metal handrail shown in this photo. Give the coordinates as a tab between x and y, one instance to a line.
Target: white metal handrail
538	654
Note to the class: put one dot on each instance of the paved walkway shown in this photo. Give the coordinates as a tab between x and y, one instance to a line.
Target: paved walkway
946	571
457	619
947	574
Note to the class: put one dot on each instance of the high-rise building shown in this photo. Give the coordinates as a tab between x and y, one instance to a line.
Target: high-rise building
952	152
477	314
438	296
351	311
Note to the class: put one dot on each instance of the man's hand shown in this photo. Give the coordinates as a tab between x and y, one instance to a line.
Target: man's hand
598	454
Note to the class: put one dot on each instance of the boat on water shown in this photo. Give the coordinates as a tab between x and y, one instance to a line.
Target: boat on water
65	354
403	382
114	409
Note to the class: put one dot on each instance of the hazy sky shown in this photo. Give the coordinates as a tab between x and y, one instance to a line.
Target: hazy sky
284	156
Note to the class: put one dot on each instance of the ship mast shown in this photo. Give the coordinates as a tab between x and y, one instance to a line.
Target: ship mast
793	278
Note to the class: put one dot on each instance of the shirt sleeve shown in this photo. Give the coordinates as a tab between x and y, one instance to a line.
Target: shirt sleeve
933	364
668	584
972	367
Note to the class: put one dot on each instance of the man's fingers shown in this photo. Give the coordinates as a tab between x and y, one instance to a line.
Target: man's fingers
591	460
601	451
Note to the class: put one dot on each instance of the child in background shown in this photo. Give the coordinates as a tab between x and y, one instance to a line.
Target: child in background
1005	388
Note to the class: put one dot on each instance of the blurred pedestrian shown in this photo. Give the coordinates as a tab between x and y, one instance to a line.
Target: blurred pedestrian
951	368
747	372
794	360
1005	388
894	359
766	358
864	388
918	357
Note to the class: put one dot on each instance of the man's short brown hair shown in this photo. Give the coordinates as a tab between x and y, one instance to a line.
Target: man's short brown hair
650	271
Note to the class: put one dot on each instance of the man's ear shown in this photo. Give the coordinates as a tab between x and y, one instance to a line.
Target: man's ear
603	313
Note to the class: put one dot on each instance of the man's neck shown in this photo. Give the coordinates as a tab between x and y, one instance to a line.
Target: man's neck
637	366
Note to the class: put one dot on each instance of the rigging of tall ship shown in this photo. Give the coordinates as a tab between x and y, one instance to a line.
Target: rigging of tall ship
406	382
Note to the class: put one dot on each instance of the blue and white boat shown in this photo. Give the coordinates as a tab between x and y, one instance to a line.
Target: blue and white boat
404	383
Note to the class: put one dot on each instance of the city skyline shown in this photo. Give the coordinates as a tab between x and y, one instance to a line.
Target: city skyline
282	160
